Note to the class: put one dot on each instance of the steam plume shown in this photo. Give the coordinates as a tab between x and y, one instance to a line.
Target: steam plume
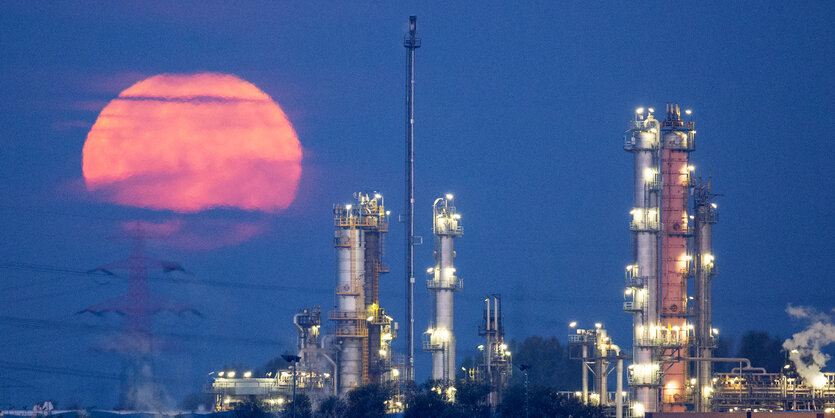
805	347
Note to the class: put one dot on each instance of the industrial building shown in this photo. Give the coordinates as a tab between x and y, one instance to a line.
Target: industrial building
673	339
358	350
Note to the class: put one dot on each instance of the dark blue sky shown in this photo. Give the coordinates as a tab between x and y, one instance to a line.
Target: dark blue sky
520	111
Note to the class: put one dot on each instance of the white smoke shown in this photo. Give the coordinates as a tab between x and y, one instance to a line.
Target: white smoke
805	347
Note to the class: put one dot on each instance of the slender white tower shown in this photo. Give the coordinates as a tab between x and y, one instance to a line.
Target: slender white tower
349	316
440	339
643	141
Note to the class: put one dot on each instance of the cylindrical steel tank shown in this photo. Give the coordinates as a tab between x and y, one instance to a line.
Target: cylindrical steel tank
350	310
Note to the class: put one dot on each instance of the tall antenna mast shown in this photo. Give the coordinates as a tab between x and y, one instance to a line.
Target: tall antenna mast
411	43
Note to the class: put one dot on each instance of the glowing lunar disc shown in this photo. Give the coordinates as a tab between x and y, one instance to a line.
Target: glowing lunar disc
190	142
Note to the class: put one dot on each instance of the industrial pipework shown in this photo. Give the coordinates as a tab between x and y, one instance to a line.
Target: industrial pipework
642	139
597	353
704	217
496	364
363	330
439	339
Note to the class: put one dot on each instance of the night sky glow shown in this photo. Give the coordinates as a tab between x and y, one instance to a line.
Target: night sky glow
178	114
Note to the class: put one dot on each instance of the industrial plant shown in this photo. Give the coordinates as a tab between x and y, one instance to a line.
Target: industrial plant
669	367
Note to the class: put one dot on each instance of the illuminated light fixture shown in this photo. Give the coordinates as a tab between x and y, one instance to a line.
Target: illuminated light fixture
691	168
715	331
383	352
713	205
628	292
377	195
819	381
370	318
348	207
388	212
572	324
449	196
231	374
649	174
480	347
598	325
395	372
430	270
651	110
629	267
503	347
220	374
639	110
247	374
688	112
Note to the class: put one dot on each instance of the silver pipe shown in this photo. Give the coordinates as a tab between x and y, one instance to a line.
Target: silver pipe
585	375
619	394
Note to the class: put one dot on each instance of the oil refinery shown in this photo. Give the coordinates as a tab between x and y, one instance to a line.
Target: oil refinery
625	241
669	368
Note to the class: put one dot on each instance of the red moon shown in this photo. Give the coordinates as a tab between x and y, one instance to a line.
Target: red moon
191	142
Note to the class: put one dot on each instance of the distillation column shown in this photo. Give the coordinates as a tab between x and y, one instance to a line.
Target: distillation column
497	363
642	140
676	143
374	225
440	339
704	217
349	316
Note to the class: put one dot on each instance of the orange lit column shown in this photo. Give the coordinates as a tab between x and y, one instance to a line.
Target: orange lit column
676	144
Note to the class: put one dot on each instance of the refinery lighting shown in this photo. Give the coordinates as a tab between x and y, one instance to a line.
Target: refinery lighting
247	374
572	324
449	196
639	110
688	112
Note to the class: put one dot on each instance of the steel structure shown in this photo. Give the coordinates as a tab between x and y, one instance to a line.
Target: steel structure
594	348
704	216
664	247
411	43
363	329
140	390
677	141
748	390
496	364
439	339
643	141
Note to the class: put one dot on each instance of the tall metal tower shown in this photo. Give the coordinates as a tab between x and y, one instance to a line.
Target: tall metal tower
643	141
440	338
137	344
411	43
705	216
